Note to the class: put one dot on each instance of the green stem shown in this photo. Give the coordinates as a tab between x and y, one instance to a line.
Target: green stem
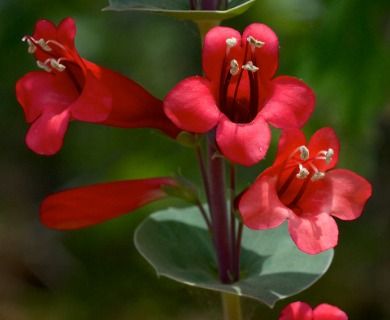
231	306
205	25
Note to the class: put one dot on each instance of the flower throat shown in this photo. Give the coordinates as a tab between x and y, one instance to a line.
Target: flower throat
231	102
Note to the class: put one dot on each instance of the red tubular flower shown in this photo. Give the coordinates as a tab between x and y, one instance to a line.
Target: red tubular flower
71	88
299	187
89	205
302	311
238	94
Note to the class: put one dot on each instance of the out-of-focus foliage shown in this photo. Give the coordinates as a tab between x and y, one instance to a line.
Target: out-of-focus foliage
341	48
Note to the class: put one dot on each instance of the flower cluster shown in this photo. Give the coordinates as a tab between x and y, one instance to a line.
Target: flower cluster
226	111
237	97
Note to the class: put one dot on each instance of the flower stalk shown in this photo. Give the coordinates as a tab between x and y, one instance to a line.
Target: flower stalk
218	209
231	306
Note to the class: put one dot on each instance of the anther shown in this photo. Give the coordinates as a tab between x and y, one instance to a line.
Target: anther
328	155
43	66
231	42
303	172
42	43
234	67
304	153
31	46
56	65
317	176
250	67
254	42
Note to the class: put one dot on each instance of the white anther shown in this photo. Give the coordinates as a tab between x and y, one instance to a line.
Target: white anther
31	46
254	42
56	65
42	43
43	66
303	172
250	67
328	155
317	176
234	67
231	42
304	153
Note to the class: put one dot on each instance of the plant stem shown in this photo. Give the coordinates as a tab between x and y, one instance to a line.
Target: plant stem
231	306
218	209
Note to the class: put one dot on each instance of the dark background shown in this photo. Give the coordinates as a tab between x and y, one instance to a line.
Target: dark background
341	48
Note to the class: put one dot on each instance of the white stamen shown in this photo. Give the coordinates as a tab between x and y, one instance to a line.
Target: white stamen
304	153
42	43
250	67
328	155
57	65
43	66
303	172
31	46
231	42
254	42
317	176
234	67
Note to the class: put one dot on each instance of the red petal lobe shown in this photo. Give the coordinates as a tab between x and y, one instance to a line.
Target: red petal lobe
260	206
46	134
291	104
328	312
313	233
296	311
245	144
191	106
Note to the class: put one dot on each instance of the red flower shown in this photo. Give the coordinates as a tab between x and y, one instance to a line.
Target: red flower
298	187
89	205
302	311
71	88
238	94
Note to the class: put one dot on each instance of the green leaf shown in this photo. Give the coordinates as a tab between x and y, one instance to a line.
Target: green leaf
180	8
177	244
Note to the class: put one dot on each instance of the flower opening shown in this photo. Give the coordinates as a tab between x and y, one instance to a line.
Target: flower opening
237	108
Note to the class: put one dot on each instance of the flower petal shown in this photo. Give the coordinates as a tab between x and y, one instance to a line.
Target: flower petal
46	134
297	311
244	144
267	55
44	29
313	233
260	206
191	106
291	103
89	205
328	312
39	91
350	193
214	52
289	140
321	140
95	102
66	33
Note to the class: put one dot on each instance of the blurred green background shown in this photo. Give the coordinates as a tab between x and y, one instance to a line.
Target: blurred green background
341	48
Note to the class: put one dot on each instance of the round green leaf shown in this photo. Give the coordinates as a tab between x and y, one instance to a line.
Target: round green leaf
177	244
180	8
